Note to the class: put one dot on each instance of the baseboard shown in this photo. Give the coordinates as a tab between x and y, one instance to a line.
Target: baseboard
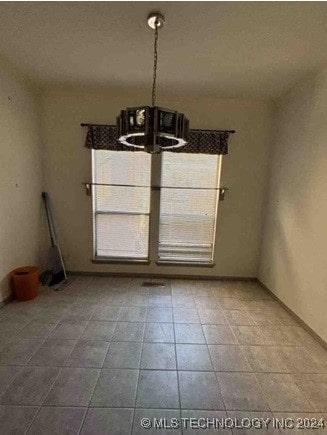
164	275
296	317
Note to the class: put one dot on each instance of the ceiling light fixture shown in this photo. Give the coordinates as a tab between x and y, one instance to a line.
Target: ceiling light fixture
153	128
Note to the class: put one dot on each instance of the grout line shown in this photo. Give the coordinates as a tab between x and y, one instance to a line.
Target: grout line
33	419
238	343
177	369
262	391
14	377
8	344
166	409
83	420
137	387
170	370
93	390
211	360
208	350
55	380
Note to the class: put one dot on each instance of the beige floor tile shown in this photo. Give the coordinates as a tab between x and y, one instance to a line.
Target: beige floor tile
159	314
58	420
115	388
299	360
7	374
282	335
219	334
207	302
183	301
319	355
282	393
159	333
123	355
223	292
189	333
70	329
265	317
241	391
285	318
212	317
255	305
158	356
265	359
193	357
314	388
231	304
186	315
239	318
132	314
228	358
251	335
129	331
157	389
30	386
88	353
199	390
73	387
16	419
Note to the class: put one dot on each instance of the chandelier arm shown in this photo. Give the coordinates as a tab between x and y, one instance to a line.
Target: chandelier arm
155	63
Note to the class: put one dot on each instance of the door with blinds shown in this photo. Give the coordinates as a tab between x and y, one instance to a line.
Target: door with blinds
121	204
188	207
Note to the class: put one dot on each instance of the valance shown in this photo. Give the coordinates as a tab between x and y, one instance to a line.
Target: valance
104	137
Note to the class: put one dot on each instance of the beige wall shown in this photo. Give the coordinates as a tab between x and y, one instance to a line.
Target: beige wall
293	258
67	164
20	176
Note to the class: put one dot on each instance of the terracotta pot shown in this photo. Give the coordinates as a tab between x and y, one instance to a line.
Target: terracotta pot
25	282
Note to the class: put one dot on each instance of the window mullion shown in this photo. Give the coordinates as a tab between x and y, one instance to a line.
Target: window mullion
155	207
94	246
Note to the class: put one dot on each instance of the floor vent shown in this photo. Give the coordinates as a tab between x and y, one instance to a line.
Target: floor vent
152	284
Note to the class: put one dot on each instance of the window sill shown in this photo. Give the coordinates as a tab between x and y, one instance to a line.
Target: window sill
182	263
108	260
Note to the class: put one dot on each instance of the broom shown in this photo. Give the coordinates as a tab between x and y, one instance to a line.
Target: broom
55	261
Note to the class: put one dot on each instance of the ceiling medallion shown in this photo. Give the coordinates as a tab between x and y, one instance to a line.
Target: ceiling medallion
151	128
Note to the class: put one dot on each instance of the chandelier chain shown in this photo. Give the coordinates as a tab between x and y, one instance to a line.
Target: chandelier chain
155	63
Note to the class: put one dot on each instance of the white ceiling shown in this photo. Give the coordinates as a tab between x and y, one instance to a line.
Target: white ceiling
230	49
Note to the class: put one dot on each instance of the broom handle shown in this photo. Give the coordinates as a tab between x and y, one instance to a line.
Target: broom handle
45	197
52	231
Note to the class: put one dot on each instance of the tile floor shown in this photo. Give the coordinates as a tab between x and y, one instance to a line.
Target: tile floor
104	353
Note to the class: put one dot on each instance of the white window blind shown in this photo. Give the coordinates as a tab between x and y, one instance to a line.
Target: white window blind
188	216
121	213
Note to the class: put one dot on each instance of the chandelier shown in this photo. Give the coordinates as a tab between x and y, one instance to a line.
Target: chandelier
152	128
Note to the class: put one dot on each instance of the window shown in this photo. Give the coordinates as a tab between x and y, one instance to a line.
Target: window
183	222
188	206
121	213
